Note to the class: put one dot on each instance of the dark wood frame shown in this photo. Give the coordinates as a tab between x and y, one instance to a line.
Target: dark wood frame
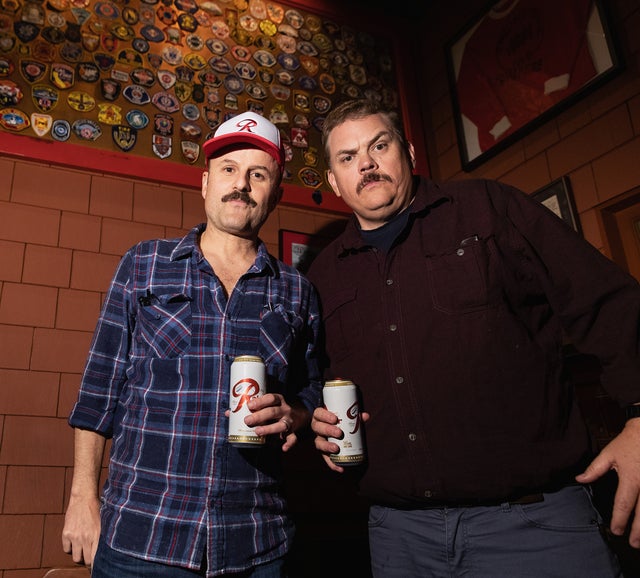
557	197
608	63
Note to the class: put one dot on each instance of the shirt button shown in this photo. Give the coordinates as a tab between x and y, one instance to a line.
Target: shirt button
389	281
399	379
412	437
428	494
393	327
460	252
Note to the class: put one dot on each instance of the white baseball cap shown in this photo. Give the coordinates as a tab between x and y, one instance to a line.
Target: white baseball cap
247	127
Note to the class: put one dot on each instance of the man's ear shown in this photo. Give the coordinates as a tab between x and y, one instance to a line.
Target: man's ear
412	155
205	180
276	198
332	182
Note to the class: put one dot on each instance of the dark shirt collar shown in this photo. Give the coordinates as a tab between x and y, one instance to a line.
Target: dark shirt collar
383	237
427	194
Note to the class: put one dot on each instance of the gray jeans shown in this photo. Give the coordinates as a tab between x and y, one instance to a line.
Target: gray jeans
560	536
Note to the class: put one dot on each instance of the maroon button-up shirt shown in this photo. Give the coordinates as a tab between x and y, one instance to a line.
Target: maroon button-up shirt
455	339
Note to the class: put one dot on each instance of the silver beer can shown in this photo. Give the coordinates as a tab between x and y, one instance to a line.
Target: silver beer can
341	398
248	380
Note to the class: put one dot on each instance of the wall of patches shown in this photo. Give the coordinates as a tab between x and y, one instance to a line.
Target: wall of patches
152	79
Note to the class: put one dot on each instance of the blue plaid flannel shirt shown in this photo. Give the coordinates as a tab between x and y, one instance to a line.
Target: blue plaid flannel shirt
157	382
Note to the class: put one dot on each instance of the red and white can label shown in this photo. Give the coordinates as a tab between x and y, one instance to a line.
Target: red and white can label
248	380
341	398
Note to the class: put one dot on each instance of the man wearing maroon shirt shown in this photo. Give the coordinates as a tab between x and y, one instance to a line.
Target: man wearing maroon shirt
448	305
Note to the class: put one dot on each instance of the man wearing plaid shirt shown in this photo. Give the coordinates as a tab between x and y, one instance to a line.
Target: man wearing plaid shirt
179	500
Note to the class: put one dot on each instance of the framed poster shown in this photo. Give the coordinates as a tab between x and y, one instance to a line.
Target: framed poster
299	249
558	198
521	62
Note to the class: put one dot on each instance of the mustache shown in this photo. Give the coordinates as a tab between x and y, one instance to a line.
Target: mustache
371	178
239	196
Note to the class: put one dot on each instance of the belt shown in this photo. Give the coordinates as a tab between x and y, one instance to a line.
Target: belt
529	499
522	500
516	499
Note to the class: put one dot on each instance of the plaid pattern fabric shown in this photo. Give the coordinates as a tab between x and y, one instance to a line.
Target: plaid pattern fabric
157	382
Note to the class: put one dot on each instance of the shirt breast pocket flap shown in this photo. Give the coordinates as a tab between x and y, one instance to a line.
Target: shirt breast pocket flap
164	325
460	279
278	331
342	322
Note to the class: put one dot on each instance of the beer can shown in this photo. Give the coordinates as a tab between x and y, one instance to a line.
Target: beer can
341	398
248	380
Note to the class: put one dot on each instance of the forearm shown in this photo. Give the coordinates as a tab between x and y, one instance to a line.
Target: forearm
88	452
81	529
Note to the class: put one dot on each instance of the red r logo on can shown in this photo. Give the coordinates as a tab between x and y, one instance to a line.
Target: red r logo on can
244	390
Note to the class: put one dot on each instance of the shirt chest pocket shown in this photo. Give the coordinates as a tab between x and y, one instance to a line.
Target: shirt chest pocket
279	331
462	281
163	326
342	322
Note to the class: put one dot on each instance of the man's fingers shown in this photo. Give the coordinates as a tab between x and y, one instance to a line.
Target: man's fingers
624	502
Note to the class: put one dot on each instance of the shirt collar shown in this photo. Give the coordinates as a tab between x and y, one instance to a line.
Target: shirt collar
188	246
427	195
189	243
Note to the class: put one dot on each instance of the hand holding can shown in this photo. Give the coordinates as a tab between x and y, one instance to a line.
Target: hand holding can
341	398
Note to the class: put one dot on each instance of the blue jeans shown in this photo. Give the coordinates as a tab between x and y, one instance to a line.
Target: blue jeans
109	563
558	537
